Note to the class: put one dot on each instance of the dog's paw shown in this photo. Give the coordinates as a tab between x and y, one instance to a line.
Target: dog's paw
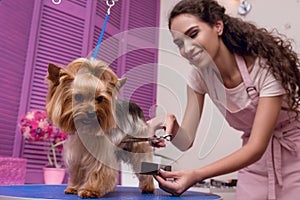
146	184
89	194
71	190
148	189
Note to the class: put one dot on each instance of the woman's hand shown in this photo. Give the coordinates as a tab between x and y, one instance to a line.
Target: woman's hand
166	122
182	180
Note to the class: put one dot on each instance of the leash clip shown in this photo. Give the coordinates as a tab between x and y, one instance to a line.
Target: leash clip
110	5
56	2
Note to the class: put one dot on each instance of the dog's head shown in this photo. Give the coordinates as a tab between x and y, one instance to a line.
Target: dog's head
82	95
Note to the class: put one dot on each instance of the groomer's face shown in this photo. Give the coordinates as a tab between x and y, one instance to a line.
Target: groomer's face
197	41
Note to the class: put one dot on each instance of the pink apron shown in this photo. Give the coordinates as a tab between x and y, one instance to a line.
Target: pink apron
277	174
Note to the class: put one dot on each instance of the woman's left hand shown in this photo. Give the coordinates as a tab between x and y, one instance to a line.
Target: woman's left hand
182	180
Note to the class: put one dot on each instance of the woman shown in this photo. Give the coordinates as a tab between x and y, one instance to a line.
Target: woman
261	79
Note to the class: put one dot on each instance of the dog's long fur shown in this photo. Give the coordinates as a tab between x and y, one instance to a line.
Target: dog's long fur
82	101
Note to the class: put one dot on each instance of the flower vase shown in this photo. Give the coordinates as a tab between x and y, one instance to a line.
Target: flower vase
54	175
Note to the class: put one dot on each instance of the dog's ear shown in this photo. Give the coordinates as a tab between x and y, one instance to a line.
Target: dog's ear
121	82
107	75
53	73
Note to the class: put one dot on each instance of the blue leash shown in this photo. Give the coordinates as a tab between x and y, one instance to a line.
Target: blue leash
101	36
110	5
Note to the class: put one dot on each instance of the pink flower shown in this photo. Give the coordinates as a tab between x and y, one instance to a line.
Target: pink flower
35	126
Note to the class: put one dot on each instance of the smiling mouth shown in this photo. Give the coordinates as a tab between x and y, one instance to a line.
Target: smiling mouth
195	57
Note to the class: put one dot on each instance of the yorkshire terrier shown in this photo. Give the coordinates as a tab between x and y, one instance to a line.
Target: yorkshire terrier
83	101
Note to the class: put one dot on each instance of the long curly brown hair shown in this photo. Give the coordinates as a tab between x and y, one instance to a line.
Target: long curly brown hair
246	39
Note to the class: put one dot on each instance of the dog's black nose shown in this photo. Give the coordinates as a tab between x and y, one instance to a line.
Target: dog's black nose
91	114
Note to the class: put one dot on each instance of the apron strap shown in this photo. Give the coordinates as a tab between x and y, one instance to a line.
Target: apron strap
250	88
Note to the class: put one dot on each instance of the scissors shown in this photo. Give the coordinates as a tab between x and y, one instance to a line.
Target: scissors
153	140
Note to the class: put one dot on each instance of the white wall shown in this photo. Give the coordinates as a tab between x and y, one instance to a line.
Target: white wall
281	15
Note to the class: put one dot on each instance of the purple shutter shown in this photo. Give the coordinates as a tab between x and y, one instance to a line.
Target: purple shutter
141	79
14	34
43	33
58	36
140	60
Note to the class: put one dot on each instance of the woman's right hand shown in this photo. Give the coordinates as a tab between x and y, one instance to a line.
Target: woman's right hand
182	180
167	122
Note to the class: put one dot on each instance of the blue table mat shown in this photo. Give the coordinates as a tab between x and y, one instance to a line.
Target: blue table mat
121	193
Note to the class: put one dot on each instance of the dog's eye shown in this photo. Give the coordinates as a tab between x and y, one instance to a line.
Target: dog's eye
99	99
78	97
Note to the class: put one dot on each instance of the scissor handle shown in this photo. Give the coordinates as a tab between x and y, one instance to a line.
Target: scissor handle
167	137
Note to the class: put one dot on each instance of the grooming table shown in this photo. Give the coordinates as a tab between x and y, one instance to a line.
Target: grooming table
43	192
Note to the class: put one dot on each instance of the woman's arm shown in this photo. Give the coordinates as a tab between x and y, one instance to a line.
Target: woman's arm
263	127
185	134
182	136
